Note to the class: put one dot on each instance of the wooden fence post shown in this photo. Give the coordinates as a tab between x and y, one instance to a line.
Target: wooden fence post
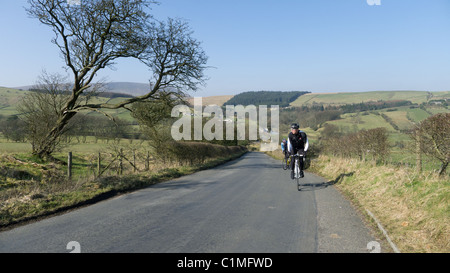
120	161
134	160
99	165
69	166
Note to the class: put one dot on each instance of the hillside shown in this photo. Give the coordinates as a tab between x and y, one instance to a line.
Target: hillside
9	99
281	98
395	119
358	97
129	88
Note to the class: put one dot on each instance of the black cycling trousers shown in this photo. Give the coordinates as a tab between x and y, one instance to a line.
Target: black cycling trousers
300	161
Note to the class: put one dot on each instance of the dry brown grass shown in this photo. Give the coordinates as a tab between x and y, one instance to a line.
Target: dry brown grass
414	209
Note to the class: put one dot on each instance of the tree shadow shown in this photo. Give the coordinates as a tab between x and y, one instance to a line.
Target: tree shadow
323	185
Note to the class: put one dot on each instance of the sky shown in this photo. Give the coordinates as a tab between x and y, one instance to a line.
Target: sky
279	45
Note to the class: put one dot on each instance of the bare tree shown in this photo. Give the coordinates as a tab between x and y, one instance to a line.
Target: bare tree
175	57
13	129
377	143
433	138
363	143
92	35
40	109
154	117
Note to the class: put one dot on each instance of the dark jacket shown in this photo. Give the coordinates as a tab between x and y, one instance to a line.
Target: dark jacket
297	142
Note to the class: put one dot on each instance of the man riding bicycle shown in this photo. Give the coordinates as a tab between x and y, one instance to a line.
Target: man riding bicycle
297	143
284	148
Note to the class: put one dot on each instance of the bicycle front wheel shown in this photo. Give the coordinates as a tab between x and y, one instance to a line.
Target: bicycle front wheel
284	164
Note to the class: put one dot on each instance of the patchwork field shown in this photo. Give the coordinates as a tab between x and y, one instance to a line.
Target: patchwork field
358	97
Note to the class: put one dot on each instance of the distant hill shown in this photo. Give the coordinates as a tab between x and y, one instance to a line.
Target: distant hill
129	88
10	98
370	96
397	111
281	98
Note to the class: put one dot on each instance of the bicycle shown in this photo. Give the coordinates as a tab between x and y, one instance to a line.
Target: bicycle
285	163
297	170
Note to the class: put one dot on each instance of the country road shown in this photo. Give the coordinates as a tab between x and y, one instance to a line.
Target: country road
247	205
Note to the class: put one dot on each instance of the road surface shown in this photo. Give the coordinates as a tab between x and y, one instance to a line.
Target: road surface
247	205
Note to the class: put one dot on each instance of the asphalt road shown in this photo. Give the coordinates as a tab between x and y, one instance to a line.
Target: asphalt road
247	205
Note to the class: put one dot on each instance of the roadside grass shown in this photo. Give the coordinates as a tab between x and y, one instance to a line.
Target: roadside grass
413	208
31	189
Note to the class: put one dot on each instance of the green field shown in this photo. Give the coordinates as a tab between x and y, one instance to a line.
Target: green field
358	97
417	114
403	117
9	98
400	119
355	122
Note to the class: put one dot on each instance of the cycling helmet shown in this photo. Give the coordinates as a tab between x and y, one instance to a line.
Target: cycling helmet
294	126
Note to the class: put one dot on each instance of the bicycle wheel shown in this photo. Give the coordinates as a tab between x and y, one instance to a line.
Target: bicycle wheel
284	164
298	177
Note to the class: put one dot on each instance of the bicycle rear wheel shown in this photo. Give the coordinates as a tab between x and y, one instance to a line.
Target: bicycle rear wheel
284	164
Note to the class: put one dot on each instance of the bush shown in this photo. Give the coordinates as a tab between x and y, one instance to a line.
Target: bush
433	136
192	153
373	142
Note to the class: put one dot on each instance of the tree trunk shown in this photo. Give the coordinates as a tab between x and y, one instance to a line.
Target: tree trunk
443	168
45	150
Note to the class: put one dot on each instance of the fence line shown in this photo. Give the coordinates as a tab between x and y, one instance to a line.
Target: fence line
135	161
120	158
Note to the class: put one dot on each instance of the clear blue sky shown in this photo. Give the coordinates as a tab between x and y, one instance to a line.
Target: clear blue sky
314	45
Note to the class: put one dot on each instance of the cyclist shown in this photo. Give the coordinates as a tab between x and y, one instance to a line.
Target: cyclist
297	143
284	147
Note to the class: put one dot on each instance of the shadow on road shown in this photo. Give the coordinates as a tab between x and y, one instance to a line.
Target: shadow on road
323	185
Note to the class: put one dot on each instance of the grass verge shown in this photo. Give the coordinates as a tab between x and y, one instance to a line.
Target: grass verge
413	208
